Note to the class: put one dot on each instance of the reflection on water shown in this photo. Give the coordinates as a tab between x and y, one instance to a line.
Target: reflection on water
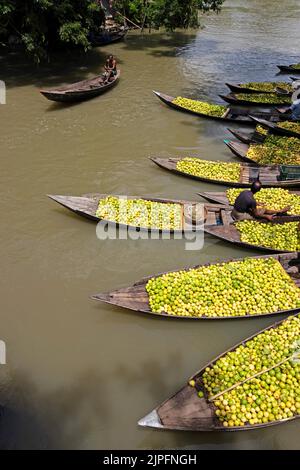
81	374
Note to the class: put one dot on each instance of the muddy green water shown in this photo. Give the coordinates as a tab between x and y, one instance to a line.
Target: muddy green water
80	374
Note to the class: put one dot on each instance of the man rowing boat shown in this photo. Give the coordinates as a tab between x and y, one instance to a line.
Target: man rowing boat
247	208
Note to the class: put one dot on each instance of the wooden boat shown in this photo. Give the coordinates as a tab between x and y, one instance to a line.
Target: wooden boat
231	98
288	68
193	212
80	91
185	411
231	115
108	36
275	129
242	89
240	150
247	137
269	175
135	297
220	197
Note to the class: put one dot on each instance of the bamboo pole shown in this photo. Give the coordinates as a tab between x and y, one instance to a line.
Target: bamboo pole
127	19
250	378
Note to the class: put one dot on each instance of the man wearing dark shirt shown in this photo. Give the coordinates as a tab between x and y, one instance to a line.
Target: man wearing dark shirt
246	207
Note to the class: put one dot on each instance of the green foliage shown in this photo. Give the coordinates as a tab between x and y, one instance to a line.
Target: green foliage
170	14
41	25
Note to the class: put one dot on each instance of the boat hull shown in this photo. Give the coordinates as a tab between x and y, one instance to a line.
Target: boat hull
234	115
74	96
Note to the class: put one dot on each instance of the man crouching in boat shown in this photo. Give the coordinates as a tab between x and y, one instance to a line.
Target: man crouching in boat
110	68
247	208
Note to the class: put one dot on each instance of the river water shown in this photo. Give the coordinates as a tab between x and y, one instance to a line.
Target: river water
80	374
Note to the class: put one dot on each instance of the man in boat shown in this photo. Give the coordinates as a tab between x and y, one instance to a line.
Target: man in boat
294	109
247	208
110	68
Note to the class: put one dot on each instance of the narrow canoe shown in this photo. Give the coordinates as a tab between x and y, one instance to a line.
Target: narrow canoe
248	137
275	129
135	297
231	115
220	197
242	89
269	175
185	411
80	91
288	68
233	99
86	206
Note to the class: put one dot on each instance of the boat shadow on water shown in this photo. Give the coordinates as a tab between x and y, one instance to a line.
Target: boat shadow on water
18	70
158	44
59	418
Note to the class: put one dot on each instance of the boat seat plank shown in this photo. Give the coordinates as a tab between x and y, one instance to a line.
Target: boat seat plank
226	217
211	218
187	407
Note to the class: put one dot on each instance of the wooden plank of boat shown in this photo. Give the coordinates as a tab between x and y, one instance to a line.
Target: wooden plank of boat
242	89
240	150
274	128
288	68
269	175
80	91
135	297
220	197
86	206
231	98
185	411
248	137
231	115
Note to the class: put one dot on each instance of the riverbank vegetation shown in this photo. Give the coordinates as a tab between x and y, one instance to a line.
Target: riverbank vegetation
170	14
41	26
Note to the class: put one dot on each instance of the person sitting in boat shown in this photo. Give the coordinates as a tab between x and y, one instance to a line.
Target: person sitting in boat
110	68
295	109
247	208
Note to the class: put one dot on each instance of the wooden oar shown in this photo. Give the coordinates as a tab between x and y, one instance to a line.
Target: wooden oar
294	357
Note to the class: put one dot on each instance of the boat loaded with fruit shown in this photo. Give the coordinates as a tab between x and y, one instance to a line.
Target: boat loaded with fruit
253	385
292	68
216	111
261	87
230	289
257	99
145	213
284	128
274	149
231	174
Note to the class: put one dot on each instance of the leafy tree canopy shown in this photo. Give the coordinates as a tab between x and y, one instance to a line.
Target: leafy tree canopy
42	25
170	14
